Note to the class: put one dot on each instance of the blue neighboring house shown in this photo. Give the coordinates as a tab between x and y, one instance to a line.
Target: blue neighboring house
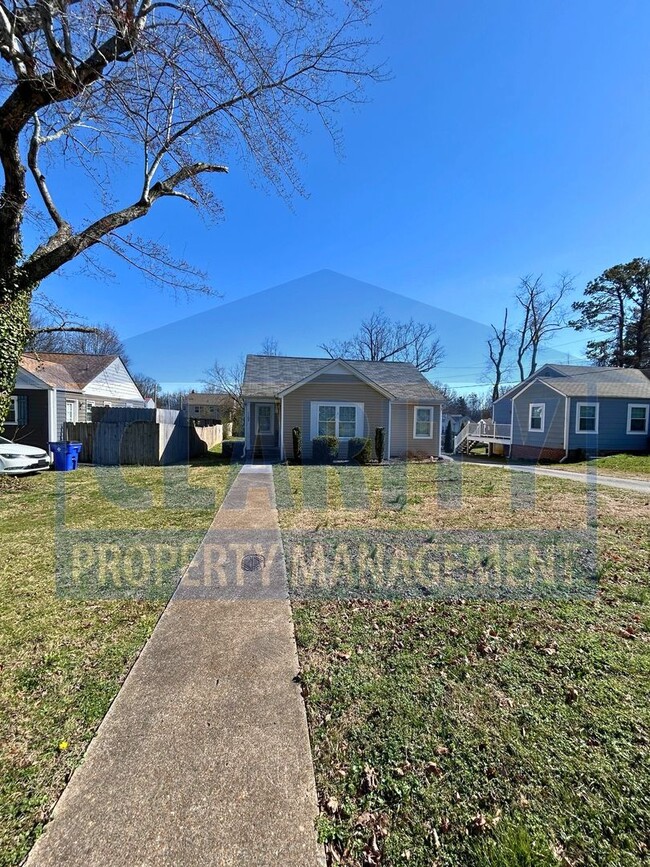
567	411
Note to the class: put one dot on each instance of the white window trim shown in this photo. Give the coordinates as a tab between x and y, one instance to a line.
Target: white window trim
75	411
580	404
417	436
531	407
359	417
14	400
266	433
632	406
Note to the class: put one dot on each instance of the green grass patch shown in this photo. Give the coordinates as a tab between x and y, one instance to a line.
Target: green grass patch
636	466
64	659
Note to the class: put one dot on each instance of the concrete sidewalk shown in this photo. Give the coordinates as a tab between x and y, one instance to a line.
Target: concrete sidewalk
203	758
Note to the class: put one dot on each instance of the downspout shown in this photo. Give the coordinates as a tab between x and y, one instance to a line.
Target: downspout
390	418
52	435
282	428
567	413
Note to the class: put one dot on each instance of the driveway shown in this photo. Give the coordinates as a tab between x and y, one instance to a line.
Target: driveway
590	477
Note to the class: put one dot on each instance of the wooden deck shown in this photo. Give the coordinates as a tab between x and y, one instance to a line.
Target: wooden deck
483	431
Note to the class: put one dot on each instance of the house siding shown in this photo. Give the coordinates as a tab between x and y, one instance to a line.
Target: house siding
548	443
297	408
402	440
612	433
114	384
502	408
35	432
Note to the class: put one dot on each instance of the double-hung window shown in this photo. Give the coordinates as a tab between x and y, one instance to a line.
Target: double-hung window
71	410
337	420
12	416
637	418
587	418
423	423
536	413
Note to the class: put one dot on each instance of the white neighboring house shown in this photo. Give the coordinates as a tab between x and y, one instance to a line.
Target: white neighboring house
55	387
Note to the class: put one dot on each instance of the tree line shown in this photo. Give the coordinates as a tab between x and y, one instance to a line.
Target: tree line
615	308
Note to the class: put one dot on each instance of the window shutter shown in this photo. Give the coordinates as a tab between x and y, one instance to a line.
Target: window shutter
21	415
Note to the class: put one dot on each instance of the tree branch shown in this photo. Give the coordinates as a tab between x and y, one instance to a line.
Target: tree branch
56	252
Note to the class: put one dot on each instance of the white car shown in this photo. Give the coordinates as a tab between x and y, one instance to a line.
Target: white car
16	459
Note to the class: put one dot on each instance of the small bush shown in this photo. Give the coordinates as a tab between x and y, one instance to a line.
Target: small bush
233	449
449	438
360	450
325	449
379	443
296	435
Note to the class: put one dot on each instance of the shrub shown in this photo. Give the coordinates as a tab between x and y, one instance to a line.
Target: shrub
449	438
360	450
325	449
296	435
379	443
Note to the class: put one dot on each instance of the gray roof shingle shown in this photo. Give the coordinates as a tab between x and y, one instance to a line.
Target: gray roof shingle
601	382
267	375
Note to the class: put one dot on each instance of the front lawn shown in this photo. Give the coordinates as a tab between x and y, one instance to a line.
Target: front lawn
63	655
468	730
635	466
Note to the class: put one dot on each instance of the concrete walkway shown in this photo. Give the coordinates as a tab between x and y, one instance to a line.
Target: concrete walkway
203	759
640	486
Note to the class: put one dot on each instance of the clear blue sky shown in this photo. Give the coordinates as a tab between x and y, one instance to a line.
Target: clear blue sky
514	137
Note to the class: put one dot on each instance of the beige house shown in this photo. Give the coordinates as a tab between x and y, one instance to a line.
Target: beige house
210	407
339	397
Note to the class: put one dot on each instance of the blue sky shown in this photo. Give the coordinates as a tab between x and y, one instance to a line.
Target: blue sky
514	137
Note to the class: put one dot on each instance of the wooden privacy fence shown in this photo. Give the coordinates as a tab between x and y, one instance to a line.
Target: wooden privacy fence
125	435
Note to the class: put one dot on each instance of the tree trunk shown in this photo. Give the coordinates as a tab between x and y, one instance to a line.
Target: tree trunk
14	333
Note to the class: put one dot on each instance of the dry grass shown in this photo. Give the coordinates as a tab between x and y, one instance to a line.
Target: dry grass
454	731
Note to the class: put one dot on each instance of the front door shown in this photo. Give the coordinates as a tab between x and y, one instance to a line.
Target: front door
264	428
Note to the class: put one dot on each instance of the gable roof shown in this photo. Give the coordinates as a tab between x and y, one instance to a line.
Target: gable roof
268	376
66	370
583	380
603	382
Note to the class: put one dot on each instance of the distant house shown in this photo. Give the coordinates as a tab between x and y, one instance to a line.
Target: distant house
210	408
339	397
569	409
55	387
457	421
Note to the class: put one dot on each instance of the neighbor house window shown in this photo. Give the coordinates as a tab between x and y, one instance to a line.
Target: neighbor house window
587	418
71	410
423	423
337	420
536	414
637	418
12	417
89	410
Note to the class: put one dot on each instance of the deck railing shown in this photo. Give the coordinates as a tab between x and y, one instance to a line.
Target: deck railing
484	430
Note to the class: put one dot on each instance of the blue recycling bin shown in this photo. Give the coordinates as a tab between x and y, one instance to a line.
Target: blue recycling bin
66	455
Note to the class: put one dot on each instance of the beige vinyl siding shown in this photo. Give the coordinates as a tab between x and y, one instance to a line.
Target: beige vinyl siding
297	408
402	439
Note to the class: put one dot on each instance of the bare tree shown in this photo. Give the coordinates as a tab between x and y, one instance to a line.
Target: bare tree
544	313
270	346
148	386
497	346
173	87
380	338
229	381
